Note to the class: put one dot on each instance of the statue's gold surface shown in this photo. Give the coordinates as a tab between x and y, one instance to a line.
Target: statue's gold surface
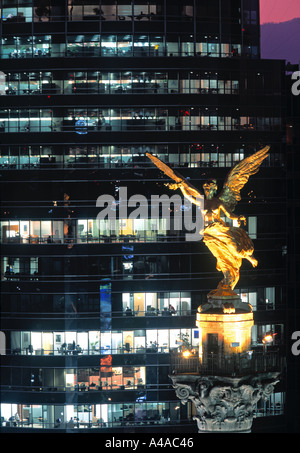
229	244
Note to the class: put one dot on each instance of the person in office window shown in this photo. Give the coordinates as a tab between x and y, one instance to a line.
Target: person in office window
71	423
127	347
154	346
17	418
8	271
172	310
57	423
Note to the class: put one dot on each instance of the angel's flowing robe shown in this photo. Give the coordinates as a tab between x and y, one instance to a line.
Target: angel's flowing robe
229	245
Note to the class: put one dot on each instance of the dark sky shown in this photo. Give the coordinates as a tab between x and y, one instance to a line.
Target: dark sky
278	10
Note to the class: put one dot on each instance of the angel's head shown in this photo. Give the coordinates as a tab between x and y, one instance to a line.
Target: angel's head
210	188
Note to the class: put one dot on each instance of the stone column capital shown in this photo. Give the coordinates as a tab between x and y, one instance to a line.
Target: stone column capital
224	404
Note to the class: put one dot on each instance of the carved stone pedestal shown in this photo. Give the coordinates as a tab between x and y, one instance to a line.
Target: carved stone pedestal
224	404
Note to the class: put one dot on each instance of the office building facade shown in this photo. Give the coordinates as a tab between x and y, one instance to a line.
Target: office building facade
93	308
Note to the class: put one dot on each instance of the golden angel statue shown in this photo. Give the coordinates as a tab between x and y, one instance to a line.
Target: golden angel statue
229	244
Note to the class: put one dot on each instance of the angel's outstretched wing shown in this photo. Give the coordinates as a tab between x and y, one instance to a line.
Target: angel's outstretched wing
238	177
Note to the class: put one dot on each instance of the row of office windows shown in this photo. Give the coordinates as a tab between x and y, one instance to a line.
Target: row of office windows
116	268
92	416
205	9
131	304
138	10
83	231
129	82
83	120
115	415
104	377
102	231
119	342
101	342
167	304
117	45
113	156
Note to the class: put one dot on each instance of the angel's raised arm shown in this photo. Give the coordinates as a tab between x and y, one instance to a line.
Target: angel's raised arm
188	190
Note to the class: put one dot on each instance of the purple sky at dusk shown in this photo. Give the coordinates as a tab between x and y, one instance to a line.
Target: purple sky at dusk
278	10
